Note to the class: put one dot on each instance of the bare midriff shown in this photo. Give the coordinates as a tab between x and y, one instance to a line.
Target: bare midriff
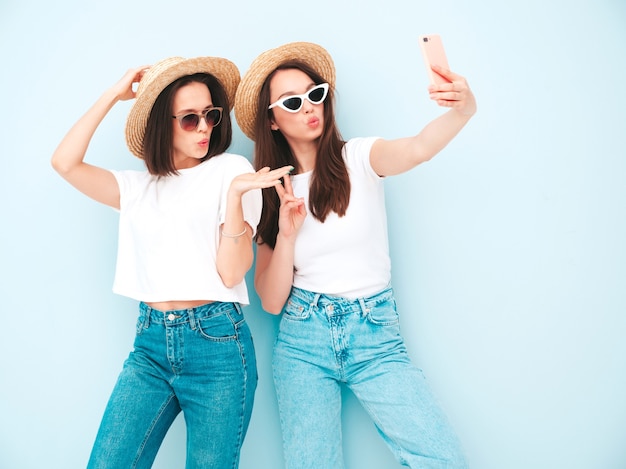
176	305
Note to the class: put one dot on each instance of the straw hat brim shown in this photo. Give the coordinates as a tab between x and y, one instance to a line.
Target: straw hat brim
160	76
246	101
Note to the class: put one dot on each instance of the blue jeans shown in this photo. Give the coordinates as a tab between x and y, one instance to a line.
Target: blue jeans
201	361
325	342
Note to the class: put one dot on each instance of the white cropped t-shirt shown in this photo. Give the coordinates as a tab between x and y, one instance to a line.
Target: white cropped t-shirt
346	256
169	231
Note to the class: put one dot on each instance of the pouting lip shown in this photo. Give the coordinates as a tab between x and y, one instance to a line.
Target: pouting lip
204	141
312	121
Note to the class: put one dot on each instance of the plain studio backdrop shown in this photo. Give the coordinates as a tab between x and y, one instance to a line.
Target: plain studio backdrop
508	249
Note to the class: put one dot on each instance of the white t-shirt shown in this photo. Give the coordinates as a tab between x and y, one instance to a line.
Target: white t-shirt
346	256
169	231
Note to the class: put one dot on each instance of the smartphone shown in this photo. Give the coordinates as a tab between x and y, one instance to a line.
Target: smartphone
434	54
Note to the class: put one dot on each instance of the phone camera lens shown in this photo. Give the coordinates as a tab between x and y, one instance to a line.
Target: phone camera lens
425	39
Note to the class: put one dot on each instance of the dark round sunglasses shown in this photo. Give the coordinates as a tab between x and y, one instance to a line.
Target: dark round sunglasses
189	122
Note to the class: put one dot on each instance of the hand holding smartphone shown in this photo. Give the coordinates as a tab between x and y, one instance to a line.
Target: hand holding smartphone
434	54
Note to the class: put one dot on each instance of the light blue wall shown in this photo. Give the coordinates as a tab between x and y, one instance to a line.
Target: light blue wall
509	249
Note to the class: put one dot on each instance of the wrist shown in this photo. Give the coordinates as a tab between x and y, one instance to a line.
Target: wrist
238	234
289	240
233	194
110	97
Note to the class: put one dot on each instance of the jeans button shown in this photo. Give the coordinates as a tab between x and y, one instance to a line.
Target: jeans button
171	317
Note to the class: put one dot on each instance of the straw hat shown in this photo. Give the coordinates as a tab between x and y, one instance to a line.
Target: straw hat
246	101
159	76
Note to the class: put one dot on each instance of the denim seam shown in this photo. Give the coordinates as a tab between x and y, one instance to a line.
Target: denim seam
244	367
398	447
149	432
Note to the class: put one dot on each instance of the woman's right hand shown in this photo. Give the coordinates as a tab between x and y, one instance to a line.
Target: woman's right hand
124	88
292	210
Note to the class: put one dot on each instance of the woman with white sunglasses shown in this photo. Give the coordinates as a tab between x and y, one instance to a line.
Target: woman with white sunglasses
323	262
185	245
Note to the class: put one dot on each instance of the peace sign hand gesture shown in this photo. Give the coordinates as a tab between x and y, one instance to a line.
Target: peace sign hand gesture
292	210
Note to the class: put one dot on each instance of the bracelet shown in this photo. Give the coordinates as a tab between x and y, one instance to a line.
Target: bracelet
226	235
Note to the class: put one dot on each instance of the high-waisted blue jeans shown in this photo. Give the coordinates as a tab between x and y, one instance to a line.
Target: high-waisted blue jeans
325	342
199	361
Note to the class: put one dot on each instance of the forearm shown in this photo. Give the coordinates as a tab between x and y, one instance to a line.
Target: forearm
391	157
437	134
273	284
71	151
234	254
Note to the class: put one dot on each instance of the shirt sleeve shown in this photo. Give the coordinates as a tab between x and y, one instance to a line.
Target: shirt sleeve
357	155
127	182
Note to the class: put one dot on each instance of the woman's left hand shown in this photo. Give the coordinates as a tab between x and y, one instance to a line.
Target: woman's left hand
262	179
456	94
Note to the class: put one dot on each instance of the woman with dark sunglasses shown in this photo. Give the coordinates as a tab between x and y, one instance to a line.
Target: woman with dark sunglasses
323	261
185	244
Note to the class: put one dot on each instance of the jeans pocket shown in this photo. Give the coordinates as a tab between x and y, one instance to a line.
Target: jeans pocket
383	314
218	328
296	310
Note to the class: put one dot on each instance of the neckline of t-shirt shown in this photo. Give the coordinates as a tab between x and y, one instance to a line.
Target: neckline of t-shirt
306	174
188	170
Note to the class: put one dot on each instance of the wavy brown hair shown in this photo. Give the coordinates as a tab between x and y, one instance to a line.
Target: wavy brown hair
330	183
158	138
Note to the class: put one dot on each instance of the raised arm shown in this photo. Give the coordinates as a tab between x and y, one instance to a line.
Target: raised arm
67	160
390	157
235	254
273	276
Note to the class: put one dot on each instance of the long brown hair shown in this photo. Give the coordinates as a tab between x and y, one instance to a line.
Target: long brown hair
330	183
158	139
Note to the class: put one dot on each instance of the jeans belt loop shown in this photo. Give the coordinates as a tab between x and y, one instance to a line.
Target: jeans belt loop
364	309
315	299
192	318
146	317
